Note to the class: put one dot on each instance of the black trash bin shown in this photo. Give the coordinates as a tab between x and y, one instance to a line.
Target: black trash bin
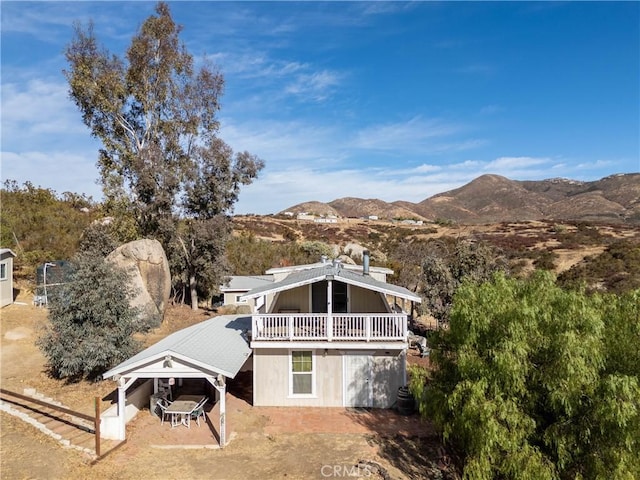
406	403
153	404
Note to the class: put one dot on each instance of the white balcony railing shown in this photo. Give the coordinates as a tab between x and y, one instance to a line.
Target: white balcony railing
366	327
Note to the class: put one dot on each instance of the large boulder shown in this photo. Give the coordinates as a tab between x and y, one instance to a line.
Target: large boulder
148	267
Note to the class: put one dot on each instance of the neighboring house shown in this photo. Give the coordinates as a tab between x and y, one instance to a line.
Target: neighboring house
329	334
6	276
238	285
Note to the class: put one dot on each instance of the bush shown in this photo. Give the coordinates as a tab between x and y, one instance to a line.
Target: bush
91	322
531	381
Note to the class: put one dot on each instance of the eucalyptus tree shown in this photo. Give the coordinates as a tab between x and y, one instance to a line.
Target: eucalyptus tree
161	160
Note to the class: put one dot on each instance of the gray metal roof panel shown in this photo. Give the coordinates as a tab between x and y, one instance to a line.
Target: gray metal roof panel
220	342
294	268
246	282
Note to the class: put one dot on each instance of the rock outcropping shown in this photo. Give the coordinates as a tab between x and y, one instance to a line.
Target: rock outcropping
148	266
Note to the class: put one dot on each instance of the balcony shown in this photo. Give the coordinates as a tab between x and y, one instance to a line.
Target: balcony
364	327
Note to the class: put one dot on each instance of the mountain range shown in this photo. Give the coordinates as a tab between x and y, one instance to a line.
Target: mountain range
494	199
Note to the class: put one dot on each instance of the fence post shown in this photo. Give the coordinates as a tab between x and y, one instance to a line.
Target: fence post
97	425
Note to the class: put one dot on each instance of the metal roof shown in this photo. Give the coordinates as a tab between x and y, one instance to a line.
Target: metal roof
308	266
335	272
7	250
244	283
219	344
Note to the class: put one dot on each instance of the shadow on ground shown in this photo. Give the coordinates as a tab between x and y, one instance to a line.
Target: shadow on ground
407	442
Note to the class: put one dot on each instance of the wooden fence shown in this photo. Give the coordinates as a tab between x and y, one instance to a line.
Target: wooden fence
7	395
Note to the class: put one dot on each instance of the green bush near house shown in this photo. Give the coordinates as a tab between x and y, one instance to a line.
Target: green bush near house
91	321
533	381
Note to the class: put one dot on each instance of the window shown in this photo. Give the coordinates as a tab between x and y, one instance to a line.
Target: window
319	297
3	271
239	299
302	378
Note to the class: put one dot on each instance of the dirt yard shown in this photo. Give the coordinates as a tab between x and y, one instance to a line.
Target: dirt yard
263	443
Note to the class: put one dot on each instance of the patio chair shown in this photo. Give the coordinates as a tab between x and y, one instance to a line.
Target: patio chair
198	411
163	404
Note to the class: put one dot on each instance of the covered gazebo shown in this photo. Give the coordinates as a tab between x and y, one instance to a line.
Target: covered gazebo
213	350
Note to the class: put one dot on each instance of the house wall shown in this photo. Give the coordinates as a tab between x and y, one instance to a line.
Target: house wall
6	284
271	378
296	299
361	300
230	298
388	371
366	301
137	400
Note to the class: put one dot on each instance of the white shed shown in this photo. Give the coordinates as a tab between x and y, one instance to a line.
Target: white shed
6	276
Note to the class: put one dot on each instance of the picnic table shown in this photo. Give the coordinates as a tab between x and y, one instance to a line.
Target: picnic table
182	408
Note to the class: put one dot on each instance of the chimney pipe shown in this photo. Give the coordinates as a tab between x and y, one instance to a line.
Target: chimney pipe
365	262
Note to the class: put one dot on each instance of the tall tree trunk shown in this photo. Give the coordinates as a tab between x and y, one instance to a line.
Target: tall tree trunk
193	290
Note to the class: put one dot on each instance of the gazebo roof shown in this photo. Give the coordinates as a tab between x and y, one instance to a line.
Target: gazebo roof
219	344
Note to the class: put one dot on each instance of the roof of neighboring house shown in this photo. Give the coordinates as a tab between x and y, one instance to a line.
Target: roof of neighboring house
345	266
241	283
333	272
7	250
219	344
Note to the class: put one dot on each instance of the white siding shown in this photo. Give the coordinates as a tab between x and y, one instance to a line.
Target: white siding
6	283
271	378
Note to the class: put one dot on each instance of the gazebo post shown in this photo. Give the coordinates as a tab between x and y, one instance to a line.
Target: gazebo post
220	385
223	433
122	407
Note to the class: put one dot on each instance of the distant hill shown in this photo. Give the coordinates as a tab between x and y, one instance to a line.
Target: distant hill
493	198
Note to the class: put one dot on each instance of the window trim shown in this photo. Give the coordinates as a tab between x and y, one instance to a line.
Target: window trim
4	271
313	393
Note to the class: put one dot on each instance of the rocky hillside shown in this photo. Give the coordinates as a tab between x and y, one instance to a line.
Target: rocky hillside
493	198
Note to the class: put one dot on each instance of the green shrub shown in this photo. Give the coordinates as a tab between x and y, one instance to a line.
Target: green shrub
91	322
532	381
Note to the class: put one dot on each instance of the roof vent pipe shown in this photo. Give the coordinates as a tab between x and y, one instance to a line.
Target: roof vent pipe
324	259
365	262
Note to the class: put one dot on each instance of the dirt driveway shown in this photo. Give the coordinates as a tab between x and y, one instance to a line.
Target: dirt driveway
265	443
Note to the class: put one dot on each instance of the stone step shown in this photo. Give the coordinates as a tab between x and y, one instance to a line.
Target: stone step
68	431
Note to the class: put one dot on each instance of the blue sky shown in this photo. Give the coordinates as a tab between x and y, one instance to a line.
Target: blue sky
388	100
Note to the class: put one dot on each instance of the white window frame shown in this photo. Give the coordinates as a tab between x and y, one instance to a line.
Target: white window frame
4	271
237	298
313	374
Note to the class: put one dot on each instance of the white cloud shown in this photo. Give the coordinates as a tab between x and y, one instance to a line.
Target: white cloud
513	163
59	171
281	143
316	86
40	112
416	135
425	168
598	164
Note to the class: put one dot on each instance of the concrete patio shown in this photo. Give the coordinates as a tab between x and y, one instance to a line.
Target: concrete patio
244	421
